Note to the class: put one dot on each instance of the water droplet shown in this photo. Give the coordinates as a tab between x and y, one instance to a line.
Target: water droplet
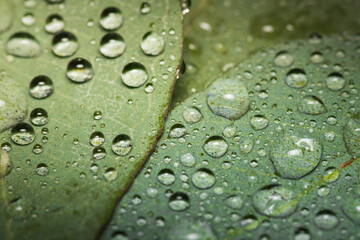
189	229
22	134
296	78
37	149
335	81
111	18
39	116
122	145
134	75
97	139
188	160
326	219
192	115
80	70
249	222
112	45
294	156
152	44
110	174
6	146
284	59
323	191
145	8
331	174
259	122
302	234
23	44
166	177
99	153
229	131
246	145
234	202
177	131
64	44
149	88
42	170
185	6
97	115
228	98
275	201
41	87
203	178
179	202
316	57
54	23
352	135
215	146
311	105
28	19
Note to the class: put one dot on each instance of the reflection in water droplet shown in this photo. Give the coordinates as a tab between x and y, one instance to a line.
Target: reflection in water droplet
188	160
37	149
323	191
284	59
179	202
22	44
28	19
152	44
39	116
97	115
234	202
326	219
177	131
134	75
42	170
64	44
112	45
41	87
203	178
296	78
246	145
186	228
54	23
80	70
110	174
192	115
166	177
259	122
331	174
111	18
149	88
22	134
249	222
294	156
316	57
302	234
311	105
228	98
97	139
275	201
99	153
215	146
122	145
145	8
335	81
352	135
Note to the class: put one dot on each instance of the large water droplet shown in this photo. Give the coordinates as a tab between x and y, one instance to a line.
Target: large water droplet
111	18
97	139
228	98
296	78
275	201
284	59
294	156
311	105
64	44
39	116
179	201
22	134
335	81
326	219
216	146
42	170
41	87
177	131
203	178
99	153
122	145
166	177
134	75
192	115
259	122
23	44
152	44
80	70
352	135
54	23
112	45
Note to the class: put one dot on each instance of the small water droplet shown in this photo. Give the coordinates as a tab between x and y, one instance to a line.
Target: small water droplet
323	191
234	202
192	115
152	44
166	177
99	153
335	81
122	145
145	8
42	170
39	116
54	24
112	45
311	105
80	70
41	87
284	59
188	160
326	219
28	19
296	78
179	201
229	131
97	139
177	131
203	178
316	57
111	18
246	145
23	44
37	149
64	44
259	122
111	174
215	146
134	75
22	134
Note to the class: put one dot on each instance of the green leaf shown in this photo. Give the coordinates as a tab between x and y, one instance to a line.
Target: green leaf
284	170
107	67
220	34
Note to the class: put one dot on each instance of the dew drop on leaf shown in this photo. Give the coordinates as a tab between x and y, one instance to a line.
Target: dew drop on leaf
259	122
134	75
41	87
296	78
97	139
122	145
22	134
54	24
111	18
192	115
166	177
112	45
215	146
203	178
311	105
23	44
39	116
326	220
284	59
188	160
42	170
179	201
80	70
177	131
335	81
64	44
152	44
